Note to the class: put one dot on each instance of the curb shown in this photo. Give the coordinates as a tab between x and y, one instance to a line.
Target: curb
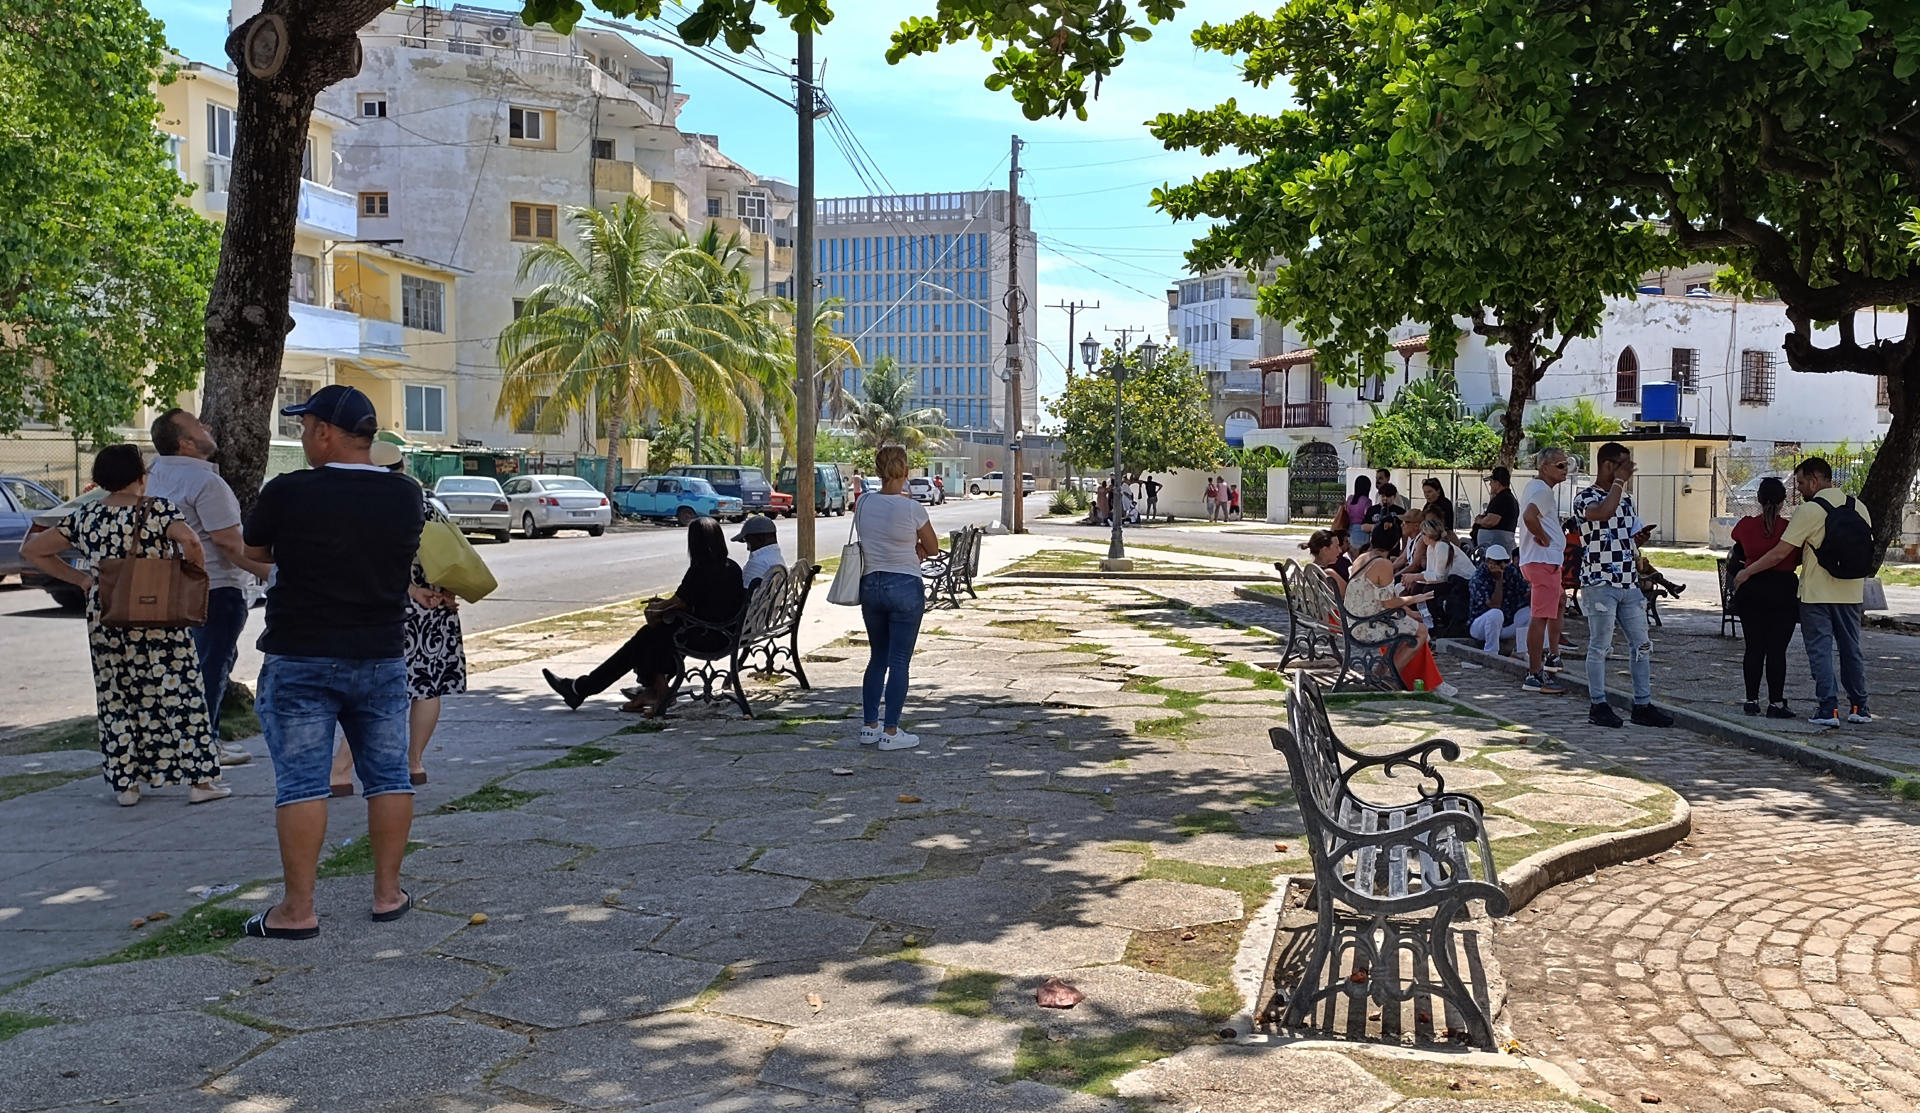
1042	576
1823	761
1531	876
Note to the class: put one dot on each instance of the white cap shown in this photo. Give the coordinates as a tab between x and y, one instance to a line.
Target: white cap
1495	552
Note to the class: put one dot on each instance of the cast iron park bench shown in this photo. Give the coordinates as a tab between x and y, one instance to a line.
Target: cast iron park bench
1376	867
952	572
1725	569
1365	647
764	638
1311	605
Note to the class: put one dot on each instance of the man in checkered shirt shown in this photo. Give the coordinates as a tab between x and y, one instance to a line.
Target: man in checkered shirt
1610	587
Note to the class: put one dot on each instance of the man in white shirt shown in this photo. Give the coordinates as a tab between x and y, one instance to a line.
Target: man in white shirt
1543	548
763	549
183	476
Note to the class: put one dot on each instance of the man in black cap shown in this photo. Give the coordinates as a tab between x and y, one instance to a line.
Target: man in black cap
342	535
763	549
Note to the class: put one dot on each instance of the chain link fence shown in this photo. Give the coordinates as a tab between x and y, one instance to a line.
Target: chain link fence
58	462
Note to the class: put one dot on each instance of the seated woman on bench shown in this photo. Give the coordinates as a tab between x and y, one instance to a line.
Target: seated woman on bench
711	591
1377	605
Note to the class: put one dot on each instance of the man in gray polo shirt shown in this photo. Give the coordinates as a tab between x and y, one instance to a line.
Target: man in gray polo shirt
183	475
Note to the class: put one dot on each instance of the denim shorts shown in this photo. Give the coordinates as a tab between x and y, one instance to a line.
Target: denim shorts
301	701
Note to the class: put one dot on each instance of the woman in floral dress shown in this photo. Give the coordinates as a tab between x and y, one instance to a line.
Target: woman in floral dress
154	727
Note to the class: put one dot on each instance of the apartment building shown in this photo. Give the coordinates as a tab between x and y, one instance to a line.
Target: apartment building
474	135
924	278
1213	319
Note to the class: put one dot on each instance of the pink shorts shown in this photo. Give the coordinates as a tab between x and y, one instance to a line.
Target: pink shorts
1548	597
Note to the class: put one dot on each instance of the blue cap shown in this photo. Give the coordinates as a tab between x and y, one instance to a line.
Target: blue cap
340	406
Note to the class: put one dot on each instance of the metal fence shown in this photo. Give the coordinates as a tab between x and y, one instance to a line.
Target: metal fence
59	463
1738	472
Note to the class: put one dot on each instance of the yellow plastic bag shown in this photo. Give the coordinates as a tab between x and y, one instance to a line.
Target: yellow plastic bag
448	561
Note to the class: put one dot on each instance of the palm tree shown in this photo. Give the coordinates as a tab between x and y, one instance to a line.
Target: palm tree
880	415
765	366
630	325
833	353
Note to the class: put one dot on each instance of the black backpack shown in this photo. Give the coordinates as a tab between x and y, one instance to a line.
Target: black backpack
1847	551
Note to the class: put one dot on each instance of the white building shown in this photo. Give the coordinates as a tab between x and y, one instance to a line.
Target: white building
1212	317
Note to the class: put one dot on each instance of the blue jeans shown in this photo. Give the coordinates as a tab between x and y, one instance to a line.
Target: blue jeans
1626	607
1827	627
892	605
301	700
219	643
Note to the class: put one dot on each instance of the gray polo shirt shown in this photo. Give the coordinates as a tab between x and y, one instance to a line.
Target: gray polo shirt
196	488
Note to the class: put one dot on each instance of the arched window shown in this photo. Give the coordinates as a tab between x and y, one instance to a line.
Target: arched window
1626	379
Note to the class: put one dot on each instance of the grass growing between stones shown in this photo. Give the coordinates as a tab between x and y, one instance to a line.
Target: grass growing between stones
20	784
1415	1078
644	726
488	798
12	1024
586	754
208	926
81	733
355	856
1033	629
1207	822
966	993
1091	1064
1263	680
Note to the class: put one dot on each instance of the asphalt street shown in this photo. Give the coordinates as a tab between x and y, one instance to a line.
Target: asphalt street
45	675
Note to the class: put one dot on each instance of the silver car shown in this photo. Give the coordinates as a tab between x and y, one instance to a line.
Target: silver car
543	505
476	504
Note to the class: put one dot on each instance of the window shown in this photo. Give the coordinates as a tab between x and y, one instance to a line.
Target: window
1686	368
30	498
426	407
304	286
219	130
752	206
603	148
531	422
292	393
1214	289
519	308
530	127
373	204
307	169
1756	377
373	106
1702	457
1882	397
1626	379
713	207
533	222
462	46
422	303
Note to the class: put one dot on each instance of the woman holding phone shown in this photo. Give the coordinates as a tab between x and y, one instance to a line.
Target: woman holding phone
1379	609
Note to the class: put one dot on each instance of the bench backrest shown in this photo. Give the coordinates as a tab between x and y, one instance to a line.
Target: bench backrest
962	550
1314	595
770	600
1313	756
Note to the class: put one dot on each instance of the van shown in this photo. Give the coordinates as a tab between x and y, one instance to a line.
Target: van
749	485
830	494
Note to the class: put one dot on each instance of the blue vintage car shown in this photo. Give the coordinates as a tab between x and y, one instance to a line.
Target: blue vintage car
674	498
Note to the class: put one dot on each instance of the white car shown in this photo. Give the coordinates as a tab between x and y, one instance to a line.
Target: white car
989	484
543	505
476	504
922	489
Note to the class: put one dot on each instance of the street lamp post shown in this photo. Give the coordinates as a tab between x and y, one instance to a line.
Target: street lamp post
1117	560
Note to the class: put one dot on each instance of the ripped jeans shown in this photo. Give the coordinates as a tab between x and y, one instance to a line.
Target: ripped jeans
1626	607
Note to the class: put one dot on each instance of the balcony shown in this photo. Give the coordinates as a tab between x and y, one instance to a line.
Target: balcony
671	202
325	213
618	178
1296	415
382	339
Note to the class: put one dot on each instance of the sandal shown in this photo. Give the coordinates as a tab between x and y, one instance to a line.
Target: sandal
392	914
257	928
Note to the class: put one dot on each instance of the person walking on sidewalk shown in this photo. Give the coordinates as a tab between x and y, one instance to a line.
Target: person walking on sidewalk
1497	602
1766	602
153	722
1213	499
895	536
1543	546
184	475
1610	588
342	536
1834	536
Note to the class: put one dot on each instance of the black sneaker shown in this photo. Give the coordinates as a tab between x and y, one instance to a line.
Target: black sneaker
1779	710
1542	683
1676	589
564	689
1647	715
1751	707
1553	664
1603	715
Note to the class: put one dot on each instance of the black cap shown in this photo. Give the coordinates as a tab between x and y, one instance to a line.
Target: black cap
756	526
340	406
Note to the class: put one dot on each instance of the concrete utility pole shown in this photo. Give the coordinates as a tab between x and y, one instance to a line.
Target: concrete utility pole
1012	485
806	408
1073	309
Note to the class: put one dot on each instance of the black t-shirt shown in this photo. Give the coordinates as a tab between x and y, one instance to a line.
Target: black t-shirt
1381	511
1508	507
343	542
712	595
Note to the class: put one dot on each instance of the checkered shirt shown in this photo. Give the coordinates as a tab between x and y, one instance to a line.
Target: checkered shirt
1609	554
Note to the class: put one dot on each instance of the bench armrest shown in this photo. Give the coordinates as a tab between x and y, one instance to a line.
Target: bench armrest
1418	757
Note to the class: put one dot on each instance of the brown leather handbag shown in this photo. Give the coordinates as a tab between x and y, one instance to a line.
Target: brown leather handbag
151	592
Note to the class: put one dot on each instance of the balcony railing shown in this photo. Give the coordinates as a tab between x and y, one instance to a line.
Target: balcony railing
318	330
619	178
324	212
384	337
1296	415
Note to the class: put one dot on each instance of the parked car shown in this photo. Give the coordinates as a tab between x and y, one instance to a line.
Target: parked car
989	484
543	505
749	485
922	489
65	595
674	498
20	500
830	493
782	504
477	504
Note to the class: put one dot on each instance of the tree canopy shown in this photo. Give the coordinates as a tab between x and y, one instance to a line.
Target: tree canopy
1423	428
103	270
1167	424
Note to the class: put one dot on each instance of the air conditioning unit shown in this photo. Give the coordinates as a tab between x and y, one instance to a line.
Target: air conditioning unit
500	36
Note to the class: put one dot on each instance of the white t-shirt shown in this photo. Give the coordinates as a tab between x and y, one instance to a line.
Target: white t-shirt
1539	494
888	527
760	562
1444	560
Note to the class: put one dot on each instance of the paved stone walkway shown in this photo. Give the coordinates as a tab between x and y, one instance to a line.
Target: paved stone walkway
730	916
1768	963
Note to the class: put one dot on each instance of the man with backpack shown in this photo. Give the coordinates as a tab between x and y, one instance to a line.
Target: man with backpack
1835	536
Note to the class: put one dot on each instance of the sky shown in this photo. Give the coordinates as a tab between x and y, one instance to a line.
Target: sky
930	126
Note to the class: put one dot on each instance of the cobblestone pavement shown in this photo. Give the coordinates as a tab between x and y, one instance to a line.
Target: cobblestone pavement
1766	963
736	916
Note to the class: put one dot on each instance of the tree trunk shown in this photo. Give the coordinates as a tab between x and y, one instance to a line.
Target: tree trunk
285	55
1889	486
1523	359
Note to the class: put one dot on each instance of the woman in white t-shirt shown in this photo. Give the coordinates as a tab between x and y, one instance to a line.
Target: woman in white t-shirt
895	536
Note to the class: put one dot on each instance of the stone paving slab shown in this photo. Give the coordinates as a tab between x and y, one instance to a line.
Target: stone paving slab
772	935
186	982
528	938
783	993
932	1052
640	1062
372	1066
1254	1080
1156	905
583	990
352	993
1119	999
121	1056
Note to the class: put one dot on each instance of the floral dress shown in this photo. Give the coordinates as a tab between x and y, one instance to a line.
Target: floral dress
436	656
147	684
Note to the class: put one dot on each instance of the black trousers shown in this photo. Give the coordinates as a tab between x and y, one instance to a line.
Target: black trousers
648	654
1768	629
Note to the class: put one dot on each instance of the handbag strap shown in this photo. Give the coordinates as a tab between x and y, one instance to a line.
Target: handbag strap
853	521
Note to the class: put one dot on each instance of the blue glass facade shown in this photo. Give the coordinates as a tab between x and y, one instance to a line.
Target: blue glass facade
922	300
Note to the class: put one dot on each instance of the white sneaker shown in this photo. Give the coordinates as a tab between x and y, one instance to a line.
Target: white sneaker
869	734
231	754
1859	716
899	740
1447	690
1826	719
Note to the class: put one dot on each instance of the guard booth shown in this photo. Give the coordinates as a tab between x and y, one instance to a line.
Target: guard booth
1675	478
1314	481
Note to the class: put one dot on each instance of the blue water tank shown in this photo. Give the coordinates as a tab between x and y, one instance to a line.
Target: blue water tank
1653	288
1660	402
